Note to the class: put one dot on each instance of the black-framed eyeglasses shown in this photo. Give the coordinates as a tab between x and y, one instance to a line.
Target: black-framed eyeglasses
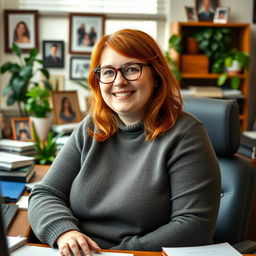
130	71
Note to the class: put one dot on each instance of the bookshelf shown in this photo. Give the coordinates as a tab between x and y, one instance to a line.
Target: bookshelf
241	33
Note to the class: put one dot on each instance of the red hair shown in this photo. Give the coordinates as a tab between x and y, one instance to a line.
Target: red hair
165	104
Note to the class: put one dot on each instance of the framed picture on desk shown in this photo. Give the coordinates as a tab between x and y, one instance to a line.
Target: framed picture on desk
22	129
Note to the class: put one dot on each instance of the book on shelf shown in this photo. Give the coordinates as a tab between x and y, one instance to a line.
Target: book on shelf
23	174
206	91
16	145
10	161
248	144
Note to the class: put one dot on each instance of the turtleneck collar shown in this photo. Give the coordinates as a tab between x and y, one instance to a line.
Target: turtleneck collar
130	128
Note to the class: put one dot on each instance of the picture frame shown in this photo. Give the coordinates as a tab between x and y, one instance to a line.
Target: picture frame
66	107
53	54
22	128
191	13
21	28
79	68
84	31
221	15
206	9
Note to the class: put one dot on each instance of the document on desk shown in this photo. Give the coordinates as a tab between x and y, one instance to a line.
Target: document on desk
222	249
42	251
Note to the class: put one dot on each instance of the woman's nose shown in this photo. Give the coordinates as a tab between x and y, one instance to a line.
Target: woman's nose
120	80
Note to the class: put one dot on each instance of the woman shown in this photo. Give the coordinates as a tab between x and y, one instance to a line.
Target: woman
138	173
21	33
66	114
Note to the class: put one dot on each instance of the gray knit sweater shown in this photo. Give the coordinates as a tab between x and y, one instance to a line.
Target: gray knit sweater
126	193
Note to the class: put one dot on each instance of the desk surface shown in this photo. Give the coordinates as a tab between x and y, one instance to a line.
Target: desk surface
20	225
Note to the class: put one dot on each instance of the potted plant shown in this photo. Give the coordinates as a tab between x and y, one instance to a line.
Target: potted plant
174	44
38	106
232	63
21	77
214	42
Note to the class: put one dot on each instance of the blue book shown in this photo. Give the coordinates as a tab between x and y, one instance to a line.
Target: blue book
12	190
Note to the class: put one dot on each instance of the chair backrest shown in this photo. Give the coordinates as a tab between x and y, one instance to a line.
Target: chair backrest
221	120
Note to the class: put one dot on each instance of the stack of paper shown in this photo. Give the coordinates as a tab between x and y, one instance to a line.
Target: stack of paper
222	249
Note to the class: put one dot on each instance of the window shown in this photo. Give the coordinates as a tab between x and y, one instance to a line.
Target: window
147	15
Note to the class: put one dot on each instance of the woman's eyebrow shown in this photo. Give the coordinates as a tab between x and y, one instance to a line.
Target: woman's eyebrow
125	64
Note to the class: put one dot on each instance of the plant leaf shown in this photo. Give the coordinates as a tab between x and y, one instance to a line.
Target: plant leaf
16	49
235	82
222	79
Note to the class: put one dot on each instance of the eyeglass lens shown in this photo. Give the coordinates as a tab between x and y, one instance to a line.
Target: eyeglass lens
130	72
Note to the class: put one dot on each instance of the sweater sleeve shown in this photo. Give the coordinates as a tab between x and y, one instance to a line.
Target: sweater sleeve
195	195
49	213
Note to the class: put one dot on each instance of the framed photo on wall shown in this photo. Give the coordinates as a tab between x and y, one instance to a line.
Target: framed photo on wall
206	9
22	129
84	31
221	15
79	68
21	28
53	54
254	11
66	107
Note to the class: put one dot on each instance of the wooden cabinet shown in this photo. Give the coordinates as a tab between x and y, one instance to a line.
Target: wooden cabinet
202	76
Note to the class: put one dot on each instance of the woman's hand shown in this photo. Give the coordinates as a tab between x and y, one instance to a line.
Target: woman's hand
71	242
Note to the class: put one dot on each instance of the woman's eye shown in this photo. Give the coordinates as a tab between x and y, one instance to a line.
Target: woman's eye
108	72
131	70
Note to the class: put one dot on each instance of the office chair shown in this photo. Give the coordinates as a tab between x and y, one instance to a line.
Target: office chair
221	120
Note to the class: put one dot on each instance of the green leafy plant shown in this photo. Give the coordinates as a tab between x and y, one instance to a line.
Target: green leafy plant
37	102
46	151
214	42
174	43
226	61
21	77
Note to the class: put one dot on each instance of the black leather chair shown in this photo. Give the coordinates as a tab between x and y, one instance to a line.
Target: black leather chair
221	120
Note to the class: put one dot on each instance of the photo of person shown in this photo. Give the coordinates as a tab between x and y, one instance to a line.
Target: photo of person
21	28
221	15
79	67
85	30
66	107
191	13
66	114
206	9
53	52
21	128
81	32
21	33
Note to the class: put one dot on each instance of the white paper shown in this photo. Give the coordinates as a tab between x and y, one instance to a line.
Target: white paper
222	249
15	241
43	251
23	203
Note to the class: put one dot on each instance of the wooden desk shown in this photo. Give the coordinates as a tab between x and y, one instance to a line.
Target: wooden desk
20	225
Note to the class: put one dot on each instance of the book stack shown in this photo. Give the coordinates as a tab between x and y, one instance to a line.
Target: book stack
248	144
25	148
16	167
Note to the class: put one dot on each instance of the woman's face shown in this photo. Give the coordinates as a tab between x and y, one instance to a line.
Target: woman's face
21	29
127	98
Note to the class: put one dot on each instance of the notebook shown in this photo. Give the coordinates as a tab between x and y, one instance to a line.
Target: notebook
12	190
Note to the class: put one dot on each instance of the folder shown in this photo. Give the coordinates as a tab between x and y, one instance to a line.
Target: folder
12	190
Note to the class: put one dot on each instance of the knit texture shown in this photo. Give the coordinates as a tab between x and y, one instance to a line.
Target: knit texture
128	193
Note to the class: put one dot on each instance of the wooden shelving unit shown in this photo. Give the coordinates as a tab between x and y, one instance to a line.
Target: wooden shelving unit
241	33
